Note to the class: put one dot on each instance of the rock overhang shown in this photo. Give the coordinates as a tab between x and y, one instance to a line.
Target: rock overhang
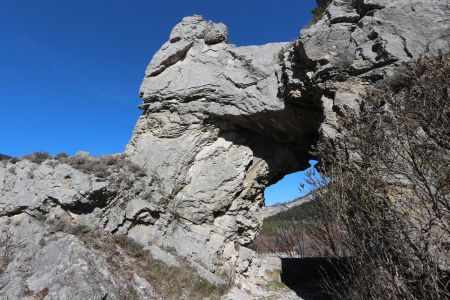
216	130
227	120
221	122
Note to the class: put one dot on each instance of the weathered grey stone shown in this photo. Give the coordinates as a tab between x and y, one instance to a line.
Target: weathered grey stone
204	136
28	186
219	124
196	28
357	43
223	121
59	266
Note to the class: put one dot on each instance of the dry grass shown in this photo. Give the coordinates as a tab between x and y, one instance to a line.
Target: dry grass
6	251
170	282
38	157
318	12
281	54
103	166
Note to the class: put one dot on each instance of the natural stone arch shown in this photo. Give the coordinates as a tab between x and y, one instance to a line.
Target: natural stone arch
220	122
206	103
215	132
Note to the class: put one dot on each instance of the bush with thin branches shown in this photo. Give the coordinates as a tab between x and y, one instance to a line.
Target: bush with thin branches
385	209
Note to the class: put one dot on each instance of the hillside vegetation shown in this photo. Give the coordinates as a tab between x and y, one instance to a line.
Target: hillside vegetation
286	233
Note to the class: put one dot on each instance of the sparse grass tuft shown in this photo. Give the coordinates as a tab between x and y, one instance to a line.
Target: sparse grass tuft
69	228
275	285
61	156
80	229
129	244
170	282
38	157
280	55
6	250
319	11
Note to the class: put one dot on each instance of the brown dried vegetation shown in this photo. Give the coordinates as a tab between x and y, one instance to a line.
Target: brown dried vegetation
170	282
386	208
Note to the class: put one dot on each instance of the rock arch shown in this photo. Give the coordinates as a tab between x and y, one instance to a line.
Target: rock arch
214	132
221	122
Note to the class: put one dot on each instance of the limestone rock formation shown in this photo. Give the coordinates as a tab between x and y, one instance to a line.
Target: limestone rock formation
358	43
219	123
214	132
39	254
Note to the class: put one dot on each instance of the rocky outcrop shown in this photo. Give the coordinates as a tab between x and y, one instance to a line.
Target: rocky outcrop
219	123
357	44
42	207
214	132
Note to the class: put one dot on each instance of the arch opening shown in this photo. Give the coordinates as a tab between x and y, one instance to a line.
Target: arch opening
291	187
289	203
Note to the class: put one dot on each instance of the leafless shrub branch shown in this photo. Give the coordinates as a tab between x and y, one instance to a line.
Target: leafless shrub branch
386	208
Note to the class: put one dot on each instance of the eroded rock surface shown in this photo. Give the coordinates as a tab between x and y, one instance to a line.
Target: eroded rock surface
39	258
219	123
215	132
357	44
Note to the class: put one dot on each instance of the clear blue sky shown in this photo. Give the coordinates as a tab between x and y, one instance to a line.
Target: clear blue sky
70	70
289	188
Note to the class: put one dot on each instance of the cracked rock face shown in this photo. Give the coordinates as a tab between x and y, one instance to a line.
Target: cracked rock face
358	43
214	132
38	257
219	123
